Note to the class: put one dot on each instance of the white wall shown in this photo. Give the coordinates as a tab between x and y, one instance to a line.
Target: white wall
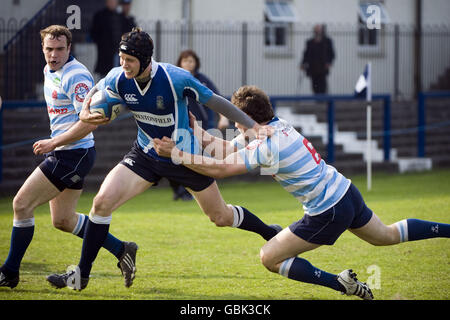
25	10
340	14
436	12
309	11
157	9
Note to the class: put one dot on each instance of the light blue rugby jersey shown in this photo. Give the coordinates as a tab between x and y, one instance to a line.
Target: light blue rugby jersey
160	109
64	91
294	163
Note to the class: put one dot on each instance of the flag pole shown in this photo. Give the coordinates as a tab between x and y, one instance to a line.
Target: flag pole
369	126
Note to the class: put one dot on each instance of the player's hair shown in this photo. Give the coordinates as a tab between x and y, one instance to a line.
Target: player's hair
189	53
139	44
56	31
254	102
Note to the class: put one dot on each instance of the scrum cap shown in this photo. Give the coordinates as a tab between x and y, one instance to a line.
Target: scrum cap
139	44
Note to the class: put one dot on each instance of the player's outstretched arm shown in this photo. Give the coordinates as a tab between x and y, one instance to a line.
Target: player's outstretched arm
217	147
78	131
229	110
216	168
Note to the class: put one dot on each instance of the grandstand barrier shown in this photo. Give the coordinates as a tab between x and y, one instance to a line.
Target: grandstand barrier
14	105
331	99
421	117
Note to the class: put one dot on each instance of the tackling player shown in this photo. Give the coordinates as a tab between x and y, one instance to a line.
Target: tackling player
69	156
332	204
156	95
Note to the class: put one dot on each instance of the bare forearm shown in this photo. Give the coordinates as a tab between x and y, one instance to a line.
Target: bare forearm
211	167
78	131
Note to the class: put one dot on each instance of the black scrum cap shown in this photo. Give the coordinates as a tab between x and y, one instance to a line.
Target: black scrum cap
139	44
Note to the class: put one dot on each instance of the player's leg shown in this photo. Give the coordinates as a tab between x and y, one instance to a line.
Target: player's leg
119	186
280	255
377	233
126	180
211	202
65	218
36	190
370	228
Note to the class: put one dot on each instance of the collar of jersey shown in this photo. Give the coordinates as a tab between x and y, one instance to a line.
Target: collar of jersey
274	119
155	66
68	60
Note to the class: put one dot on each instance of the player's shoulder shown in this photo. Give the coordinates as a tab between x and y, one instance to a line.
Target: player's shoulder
74	71
115	73
175	72
74	65
113	77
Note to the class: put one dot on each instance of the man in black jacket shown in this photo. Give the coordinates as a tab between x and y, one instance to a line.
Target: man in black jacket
106	31
317	59
128	22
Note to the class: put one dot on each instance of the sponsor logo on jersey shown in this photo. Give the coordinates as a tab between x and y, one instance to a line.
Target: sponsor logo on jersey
81	91
131	98
56	110
154	119
56	81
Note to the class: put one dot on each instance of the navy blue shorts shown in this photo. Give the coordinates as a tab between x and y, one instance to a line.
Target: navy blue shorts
67	168
153	170
349	213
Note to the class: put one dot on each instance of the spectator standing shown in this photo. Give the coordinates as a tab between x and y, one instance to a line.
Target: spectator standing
317	59
106	30
128	21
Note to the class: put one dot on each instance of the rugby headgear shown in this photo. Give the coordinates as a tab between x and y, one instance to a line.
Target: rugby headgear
138	44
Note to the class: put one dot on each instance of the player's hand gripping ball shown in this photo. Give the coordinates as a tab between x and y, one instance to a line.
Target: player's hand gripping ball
107	103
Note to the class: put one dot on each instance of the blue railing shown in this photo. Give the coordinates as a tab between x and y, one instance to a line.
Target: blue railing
331	99
422	115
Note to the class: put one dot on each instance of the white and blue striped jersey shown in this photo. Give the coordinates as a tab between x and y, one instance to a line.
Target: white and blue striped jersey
160	109
295	164
64	91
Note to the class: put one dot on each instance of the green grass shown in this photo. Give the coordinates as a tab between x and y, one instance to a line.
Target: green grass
183	255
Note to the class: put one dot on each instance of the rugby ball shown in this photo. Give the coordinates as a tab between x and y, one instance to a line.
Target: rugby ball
107	103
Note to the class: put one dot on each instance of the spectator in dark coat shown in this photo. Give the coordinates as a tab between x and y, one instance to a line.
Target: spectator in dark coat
317	59
190	61
128	22
106	31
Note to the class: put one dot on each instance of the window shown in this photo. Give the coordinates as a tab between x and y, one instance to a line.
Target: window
279	16
371	17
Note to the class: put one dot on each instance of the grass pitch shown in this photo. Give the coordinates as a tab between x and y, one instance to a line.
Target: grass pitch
183	256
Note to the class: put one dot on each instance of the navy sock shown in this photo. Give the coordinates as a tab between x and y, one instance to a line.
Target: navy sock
112	244
94	237
415	229
301	270
245	220
21	236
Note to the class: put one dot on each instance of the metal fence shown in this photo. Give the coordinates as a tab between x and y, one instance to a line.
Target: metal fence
233	54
